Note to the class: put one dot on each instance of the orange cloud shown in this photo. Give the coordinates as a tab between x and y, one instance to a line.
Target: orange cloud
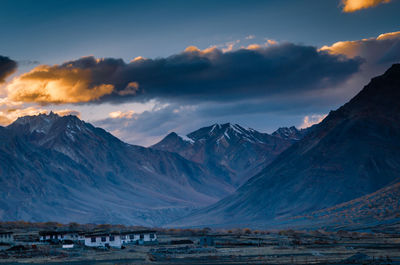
310	120
120	114
57	84
366	48
7	116
355	5
131	89
66	112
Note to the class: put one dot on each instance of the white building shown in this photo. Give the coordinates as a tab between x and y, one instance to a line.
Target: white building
61	236
6	237
118	239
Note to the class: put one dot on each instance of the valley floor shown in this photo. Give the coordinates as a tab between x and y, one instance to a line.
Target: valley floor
285	247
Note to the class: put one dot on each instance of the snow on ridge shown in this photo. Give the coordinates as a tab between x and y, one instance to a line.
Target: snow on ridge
186	139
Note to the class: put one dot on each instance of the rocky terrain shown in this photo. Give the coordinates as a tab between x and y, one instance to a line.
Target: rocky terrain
237	246
231	152
351	153
63	169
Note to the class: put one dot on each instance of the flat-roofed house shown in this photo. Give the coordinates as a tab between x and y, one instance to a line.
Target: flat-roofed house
140	237
105	239
6	237
60	235
118	239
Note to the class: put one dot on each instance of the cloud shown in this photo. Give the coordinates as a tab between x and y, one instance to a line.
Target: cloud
7	67
67	112
150	126
378	53
310	120
355	5
121	114
195	75
71	82
384	46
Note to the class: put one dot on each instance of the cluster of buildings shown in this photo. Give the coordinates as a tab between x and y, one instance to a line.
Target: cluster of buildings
91	239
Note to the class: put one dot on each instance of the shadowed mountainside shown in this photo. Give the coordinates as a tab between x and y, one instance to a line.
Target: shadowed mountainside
378	208
63	169
354	151
230	151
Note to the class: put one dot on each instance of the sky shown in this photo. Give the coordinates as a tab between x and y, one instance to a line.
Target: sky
142	69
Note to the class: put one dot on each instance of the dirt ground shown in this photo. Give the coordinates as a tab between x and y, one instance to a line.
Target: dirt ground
271	248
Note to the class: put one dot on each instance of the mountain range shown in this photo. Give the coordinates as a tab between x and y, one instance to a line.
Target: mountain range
353	152
340	171
64	169
230	151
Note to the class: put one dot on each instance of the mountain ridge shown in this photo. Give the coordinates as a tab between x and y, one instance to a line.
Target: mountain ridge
351	153
232	151
65	169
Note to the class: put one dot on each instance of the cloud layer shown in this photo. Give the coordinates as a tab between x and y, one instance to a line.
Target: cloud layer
193	75
7	67
355	5
300	108
378	53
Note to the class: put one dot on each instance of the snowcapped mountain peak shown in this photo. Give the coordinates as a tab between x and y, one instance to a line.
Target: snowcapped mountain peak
45	127
219	131
40	123
290	133
186	139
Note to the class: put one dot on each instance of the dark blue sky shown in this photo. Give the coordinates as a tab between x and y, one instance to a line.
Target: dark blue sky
54	31
286	81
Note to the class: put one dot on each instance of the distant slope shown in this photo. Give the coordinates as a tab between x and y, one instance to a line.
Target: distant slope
291	133
353	152
63	169
380	207
230	151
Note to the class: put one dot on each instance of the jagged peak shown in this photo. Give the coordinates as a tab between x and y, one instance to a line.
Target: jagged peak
228	131
173	136
43	122
289	133
41	116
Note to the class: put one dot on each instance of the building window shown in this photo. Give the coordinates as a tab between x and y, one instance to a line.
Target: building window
123	237
152	236
131	237
103	239
93	239
112	238
141	236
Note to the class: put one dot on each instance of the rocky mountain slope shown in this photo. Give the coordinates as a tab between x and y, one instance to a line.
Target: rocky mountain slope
378	208
351	153
63	169
230	151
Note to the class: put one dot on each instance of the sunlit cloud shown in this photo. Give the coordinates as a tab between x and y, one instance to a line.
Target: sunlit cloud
271	42
120	114
194	74
67	112
384	48
9	115
310	120
57	84
250	37
355	5
253	47
229	46
138	58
